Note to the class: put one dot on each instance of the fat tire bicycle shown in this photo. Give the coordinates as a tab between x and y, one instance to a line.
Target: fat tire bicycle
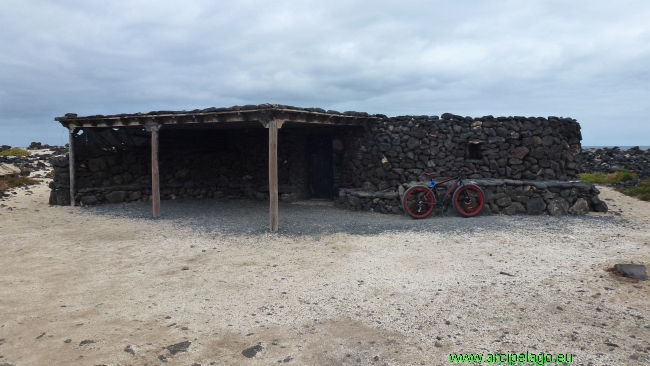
468	199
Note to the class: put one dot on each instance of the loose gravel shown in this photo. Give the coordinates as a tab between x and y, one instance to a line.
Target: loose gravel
251	218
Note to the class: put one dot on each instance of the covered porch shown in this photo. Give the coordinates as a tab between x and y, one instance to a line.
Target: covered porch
165	129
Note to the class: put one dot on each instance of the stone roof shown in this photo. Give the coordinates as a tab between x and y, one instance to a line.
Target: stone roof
247	113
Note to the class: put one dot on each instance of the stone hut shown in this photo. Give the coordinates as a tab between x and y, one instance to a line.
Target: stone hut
281	153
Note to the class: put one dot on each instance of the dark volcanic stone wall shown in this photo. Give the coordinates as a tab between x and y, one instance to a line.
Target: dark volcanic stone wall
523	164
193	164
110	177
609	160
502	196
400	149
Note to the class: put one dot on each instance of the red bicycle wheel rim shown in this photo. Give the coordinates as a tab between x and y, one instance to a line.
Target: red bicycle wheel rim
427	194
479	205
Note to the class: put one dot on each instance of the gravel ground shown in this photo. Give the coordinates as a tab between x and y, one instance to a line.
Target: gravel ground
208	284
251	218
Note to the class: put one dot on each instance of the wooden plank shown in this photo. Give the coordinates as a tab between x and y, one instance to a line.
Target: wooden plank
155	174
273	174
73	181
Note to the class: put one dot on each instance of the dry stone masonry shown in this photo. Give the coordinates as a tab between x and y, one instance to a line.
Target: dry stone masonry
526	165
505	196
503	147
211	164
609	160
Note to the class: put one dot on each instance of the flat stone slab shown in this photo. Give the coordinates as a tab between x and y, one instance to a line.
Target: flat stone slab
8	170
637	271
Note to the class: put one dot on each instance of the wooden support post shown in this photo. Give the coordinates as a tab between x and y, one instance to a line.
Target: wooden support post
273	174
155	175
73	181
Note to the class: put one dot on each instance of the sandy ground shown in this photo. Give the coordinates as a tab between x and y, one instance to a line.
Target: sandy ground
78	288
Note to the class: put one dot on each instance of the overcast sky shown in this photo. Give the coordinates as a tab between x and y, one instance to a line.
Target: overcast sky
589	60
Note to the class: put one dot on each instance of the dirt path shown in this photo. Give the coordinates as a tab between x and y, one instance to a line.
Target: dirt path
78	288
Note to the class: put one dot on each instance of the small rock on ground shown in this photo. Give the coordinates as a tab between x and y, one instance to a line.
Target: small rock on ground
637	271
179	347
252	351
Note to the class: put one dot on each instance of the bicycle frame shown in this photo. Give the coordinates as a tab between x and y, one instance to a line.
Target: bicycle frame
440	203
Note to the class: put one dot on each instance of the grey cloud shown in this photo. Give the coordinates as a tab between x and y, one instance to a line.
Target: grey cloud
584	59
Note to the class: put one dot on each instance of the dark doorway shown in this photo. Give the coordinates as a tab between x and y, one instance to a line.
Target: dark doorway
321	177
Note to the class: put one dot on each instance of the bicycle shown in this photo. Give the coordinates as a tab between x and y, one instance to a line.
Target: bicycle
468	199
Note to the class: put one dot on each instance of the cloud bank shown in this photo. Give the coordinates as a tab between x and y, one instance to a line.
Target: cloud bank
589	60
